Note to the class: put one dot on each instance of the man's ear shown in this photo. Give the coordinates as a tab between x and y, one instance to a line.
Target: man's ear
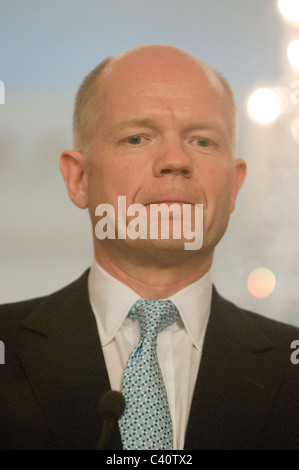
237	180
73	167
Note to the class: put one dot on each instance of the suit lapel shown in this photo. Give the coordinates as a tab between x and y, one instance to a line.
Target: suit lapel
237	380
60	352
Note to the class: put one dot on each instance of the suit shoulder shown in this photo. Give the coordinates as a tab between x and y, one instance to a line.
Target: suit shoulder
274	329
15	312
280	332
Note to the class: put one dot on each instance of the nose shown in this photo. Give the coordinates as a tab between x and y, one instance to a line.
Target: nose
173	159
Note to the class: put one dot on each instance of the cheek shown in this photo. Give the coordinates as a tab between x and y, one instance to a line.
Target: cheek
123	179
112	177
217	188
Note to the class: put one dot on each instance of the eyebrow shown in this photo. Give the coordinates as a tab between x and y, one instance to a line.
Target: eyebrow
208	125
148	122
134	123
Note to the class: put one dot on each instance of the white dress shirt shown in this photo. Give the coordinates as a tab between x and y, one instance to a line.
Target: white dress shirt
179	346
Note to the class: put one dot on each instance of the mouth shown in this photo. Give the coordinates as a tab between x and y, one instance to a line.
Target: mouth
169	202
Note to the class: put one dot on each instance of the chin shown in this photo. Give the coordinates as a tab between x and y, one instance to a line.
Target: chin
154	248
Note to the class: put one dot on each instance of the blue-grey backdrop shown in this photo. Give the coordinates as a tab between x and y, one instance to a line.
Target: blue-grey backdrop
47	47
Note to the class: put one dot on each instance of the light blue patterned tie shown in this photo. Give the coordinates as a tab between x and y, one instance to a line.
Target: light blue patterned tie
146	422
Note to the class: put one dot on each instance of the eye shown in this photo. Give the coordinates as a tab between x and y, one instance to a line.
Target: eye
134	139
202	142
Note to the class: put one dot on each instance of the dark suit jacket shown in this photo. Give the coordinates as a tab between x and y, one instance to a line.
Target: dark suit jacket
246	395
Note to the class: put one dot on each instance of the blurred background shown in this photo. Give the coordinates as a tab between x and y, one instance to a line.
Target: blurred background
47	47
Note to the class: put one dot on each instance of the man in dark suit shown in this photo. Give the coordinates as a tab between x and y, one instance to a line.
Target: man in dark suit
155	125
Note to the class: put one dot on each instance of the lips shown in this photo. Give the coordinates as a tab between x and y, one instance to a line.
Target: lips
169	203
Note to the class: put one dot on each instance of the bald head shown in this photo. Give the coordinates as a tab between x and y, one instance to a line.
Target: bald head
163	57
151	60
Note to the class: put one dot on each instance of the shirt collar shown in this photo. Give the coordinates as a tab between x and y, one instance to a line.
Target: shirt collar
111	300
194	304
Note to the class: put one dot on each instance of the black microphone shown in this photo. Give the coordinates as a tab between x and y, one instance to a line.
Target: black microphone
111	406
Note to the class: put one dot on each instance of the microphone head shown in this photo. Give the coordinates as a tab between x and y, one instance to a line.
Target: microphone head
112	404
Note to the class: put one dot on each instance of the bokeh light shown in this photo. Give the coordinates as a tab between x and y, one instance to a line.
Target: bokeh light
284	96
293	54
264	106
295	129
289	10
261	282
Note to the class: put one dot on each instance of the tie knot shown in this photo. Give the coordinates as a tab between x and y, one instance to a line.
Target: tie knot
154	315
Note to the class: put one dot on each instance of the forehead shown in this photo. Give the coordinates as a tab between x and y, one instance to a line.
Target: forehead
161	79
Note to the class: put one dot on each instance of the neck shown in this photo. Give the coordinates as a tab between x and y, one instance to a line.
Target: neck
154	278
